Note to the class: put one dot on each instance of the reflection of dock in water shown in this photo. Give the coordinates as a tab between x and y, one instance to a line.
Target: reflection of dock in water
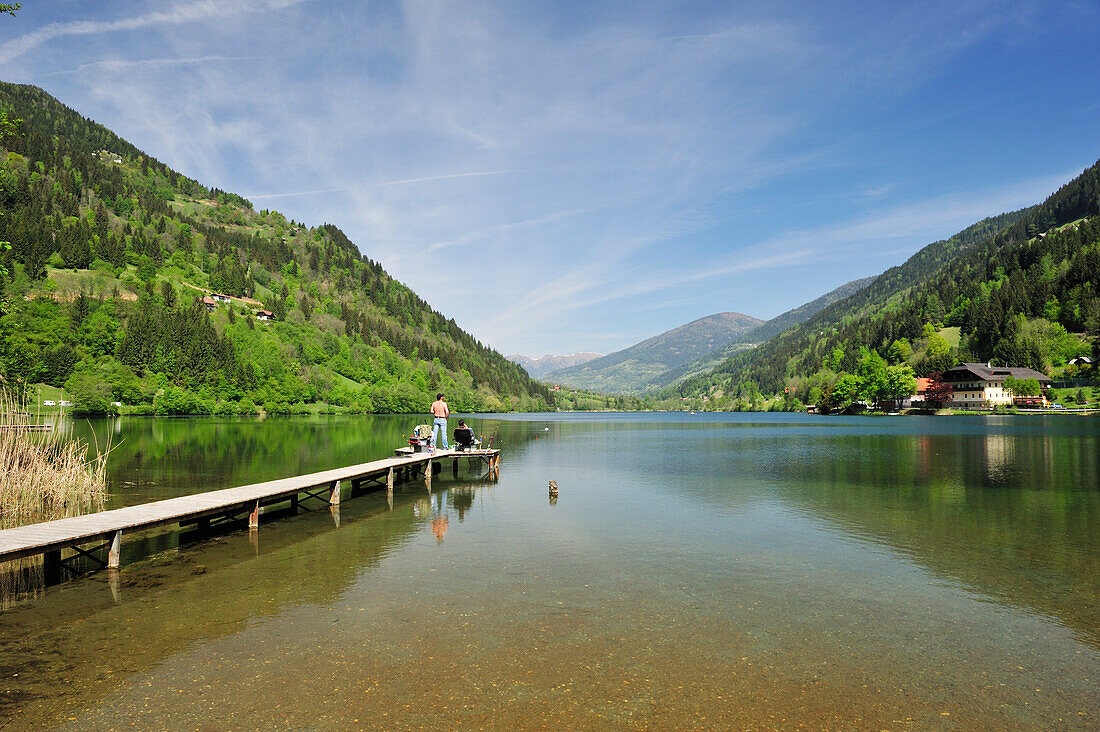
64	542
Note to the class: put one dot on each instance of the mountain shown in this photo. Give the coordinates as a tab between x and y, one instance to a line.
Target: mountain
539	367
768	330
1020	289
639	367
106	290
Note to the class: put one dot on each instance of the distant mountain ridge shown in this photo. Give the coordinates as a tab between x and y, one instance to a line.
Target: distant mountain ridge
765	332
539	367
640	367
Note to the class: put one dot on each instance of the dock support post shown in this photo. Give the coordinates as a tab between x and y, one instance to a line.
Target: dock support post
428	474
335	511
454	468
254	517
115	550
51	567
389	480
334	499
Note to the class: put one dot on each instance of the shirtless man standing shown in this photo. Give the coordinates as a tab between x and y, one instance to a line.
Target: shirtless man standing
441	412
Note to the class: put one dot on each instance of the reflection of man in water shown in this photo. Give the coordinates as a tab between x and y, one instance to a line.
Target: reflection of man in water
439	526
439	517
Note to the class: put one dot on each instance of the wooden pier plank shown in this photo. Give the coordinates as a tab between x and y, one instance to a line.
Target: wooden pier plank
39	538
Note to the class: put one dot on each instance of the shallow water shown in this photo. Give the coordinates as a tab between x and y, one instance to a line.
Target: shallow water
706	571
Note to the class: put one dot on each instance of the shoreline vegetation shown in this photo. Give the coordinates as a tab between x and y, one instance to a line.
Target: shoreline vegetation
46	475
1075	400
1084	400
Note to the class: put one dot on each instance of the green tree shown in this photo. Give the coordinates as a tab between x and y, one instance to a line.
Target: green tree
168	294
91	394
183	239
872	378
900	351
844	392
1022	387
901	382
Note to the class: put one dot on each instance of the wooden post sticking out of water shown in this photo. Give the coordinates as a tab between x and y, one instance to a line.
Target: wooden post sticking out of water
334	499
428	475
389	487
115	550
454	469
254	517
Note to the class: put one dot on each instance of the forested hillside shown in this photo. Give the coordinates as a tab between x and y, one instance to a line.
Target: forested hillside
109	254
1017	289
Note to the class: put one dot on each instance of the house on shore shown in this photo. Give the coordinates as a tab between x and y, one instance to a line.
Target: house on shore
265	315
209	303
981	385
917	399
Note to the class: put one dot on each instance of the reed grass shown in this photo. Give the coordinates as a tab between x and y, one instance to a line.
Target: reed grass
21	580
45	475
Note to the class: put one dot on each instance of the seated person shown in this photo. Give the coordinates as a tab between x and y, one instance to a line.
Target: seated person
464	436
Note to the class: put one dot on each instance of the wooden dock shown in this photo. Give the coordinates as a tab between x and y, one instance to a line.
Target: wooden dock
105	529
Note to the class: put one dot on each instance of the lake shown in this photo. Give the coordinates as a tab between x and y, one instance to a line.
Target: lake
746	571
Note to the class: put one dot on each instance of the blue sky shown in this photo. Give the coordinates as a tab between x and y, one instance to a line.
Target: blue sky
578	176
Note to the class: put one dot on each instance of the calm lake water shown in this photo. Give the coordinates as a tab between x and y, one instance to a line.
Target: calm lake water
696	572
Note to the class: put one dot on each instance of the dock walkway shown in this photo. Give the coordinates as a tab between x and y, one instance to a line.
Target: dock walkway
50	537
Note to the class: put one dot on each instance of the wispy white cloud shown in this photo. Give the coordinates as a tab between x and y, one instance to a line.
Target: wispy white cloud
447	176
147	63
293	194
550	175
498	229
405	181
863	238
181	12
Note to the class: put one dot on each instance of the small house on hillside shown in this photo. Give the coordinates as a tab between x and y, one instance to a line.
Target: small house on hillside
981	385
220	297
209	303
265	315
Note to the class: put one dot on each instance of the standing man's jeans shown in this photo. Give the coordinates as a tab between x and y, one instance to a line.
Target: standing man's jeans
440	423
